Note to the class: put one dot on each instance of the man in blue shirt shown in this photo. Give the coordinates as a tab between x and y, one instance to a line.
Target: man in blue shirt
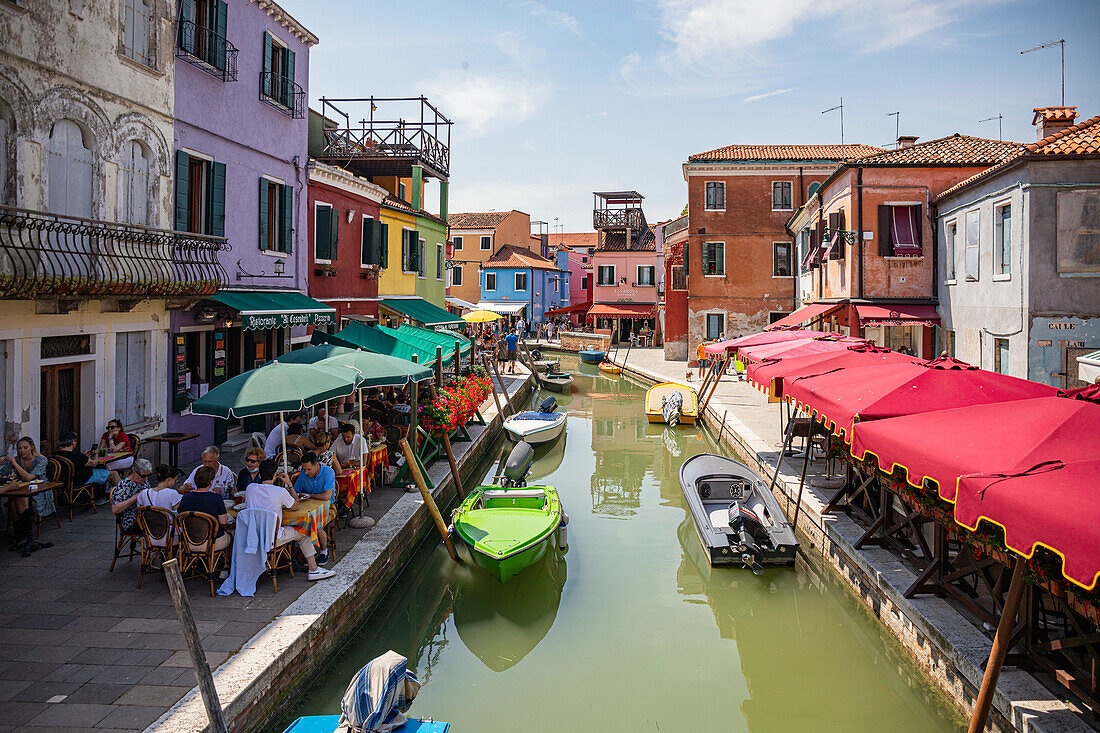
511	342
320	483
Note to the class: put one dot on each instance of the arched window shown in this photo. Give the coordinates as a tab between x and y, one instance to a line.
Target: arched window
70	171
136	195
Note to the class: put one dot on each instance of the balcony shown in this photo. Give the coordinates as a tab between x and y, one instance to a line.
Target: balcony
206	50
49	256
618	210
283	94
408	132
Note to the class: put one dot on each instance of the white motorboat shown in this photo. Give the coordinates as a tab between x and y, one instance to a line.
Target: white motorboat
535	427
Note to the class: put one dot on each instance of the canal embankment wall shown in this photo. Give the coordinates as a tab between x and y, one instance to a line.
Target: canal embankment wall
290	653
949	648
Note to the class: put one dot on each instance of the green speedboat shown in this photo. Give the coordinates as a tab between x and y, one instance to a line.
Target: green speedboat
509	527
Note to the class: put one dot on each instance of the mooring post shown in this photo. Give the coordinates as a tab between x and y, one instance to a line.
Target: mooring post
418	477
805	467
725	414
194	646
531	365
493	389
1001	642
503	388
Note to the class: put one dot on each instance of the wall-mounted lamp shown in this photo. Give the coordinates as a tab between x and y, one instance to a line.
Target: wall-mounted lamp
622	281
205	315
351	215
280	265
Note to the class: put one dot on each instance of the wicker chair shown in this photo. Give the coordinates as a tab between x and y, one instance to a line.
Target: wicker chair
280	555
197	533
73	493
157	541
121	538
55	472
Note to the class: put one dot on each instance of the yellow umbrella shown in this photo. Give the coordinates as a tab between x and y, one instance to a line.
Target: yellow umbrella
480	317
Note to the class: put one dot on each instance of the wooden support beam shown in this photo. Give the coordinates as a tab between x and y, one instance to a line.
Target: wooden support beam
1000	648
418	477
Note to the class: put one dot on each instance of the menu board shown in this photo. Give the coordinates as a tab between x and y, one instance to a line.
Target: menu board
180	398
218	375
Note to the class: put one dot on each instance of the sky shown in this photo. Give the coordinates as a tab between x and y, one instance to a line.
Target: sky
552	101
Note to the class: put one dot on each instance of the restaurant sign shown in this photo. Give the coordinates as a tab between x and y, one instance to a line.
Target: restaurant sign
267	321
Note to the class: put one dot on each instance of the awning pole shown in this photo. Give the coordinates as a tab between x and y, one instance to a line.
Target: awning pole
283	426
362	437
1001	642
805	467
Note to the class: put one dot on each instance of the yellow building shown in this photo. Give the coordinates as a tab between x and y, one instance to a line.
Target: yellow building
399	219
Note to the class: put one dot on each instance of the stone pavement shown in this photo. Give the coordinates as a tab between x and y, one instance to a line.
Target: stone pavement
83	649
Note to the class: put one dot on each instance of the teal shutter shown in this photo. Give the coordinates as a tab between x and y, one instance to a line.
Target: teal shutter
414	246
384	244
288	81
186	31
288	218
687	258
183	189
322	226
263	213
216	223
334	232
266	85
220	11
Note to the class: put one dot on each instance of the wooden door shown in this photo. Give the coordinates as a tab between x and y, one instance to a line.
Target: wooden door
60	405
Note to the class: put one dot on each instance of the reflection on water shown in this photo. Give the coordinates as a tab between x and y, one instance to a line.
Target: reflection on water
641	634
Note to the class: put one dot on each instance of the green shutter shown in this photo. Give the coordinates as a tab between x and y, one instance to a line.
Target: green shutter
687	258
266	85
186	32
183	189
263	213
384	244
216	223
288	218
322	227
288	82
334	232
414	246
220	11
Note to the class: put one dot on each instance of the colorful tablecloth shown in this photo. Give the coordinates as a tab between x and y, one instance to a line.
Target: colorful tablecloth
350	483
311	515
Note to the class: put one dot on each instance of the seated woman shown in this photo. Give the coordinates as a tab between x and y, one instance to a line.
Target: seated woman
115	440
250	474
202	499
27	465
325	454
162	493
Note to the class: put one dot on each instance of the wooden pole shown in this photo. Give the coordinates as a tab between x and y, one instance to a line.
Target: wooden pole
717	378
725	414
531	365
504	389
454	467
805	467
458	358
194	646
418	477
782	452
362	456
500	464
496	397
438	366
1001	643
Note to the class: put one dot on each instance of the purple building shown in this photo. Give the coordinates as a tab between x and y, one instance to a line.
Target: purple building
240	171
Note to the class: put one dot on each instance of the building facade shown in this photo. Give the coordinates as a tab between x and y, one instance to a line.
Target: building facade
738	257
624	264
674	314
1019	271
516	282
477	236
90	269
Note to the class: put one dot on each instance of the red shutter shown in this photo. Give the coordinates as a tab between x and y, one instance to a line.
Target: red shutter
836	223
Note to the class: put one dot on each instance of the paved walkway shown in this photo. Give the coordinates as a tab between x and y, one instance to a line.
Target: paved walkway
83	649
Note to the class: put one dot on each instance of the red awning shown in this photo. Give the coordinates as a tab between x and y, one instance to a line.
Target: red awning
764	337
803	314
822	344
622	310
898	315
578	308
769	373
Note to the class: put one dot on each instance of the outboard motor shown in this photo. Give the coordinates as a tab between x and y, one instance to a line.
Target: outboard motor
518	465
747	521
548	405
672	406
536	354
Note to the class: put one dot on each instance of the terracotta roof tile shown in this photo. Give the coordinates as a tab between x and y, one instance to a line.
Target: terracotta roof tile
958	150
1054	114
477	220
616	242
574	240
393	202
509	256
784	152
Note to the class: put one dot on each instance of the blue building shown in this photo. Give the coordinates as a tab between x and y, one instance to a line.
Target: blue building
516	282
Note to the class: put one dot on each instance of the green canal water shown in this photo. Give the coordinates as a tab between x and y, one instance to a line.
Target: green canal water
631	629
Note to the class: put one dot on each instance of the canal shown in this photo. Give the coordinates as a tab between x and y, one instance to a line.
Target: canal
631	629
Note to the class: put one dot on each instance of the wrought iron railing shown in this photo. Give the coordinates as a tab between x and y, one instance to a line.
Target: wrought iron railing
283	94
631	218
204	49
46	255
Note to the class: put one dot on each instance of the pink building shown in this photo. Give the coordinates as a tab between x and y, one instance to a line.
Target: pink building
580	245
624	298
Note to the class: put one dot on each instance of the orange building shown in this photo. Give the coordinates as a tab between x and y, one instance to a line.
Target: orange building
864	238
477	236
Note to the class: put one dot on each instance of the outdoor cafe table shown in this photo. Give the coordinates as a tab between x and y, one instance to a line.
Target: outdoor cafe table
349	483
19	489
306	519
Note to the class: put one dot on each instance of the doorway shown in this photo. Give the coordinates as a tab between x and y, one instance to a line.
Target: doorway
60	404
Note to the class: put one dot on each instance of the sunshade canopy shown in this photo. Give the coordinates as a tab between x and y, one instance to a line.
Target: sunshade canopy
481	317
276	388
621	310
426	340
276	309
766	337
372	370
769	374
898	315
824	343
421	311
459	303
575	308
404	342
804	314
505	309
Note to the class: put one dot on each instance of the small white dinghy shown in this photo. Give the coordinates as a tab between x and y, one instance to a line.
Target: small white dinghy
535	427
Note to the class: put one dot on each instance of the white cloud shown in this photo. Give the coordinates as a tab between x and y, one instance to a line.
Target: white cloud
554	17
765	95
481	103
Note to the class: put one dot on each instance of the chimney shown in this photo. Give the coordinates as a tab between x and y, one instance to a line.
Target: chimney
907	141
1049	120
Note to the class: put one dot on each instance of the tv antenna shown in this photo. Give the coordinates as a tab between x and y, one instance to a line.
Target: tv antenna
999	117
897	123
1061	42
833	109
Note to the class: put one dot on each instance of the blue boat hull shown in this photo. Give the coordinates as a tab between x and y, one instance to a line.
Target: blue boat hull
328	723
593	357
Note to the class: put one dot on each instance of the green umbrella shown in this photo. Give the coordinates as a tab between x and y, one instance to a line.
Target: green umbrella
375	370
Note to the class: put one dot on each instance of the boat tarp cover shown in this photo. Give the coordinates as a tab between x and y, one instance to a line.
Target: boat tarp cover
378	696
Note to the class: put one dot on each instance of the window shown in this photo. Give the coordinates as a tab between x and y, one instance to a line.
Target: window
584	282
521	281
1002	239
131	360
373	250
781	196
714	258
410	250
1078	223
276	216
972	240
277	79
679	280
326	232
950	241
605	275
201	31
439	262
813	189
5	354
421	258
457	243
715	325
899	230
949	342
200	195
136	31
645	275
1000	356
486	242
70	171
715	196
781	259
135	184
490	281
456	275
